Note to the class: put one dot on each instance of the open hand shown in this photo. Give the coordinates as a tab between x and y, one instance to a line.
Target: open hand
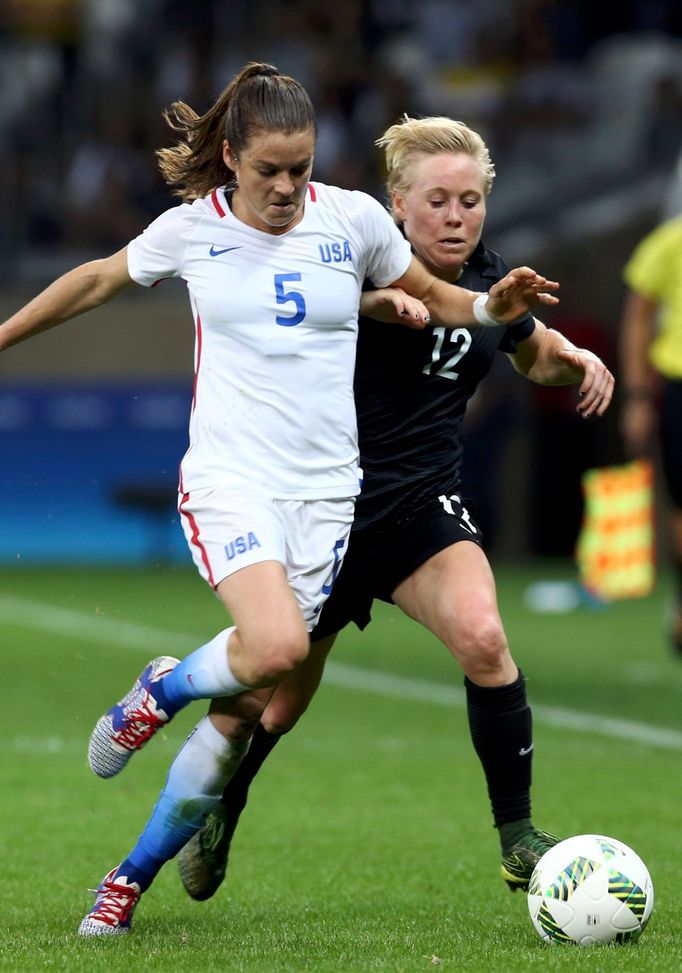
515	295
596	388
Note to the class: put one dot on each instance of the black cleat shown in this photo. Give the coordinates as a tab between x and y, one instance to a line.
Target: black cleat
203	861
520	859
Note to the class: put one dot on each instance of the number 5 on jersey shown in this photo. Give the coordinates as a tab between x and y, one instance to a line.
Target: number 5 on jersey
289	297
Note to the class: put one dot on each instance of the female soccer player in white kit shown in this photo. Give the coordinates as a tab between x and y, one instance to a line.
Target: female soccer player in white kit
274	266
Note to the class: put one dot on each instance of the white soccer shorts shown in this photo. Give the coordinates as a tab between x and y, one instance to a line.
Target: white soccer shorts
227	529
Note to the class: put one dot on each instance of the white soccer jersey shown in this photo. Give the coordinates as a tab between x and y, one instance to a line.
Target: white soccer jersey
276	327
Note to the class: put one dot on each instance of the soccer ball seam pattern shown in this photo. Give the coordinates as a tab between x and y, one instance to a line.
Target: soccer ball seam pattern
590	889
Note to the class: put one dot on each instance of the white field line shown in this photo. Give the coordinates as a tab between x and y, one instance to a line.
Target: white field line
102	629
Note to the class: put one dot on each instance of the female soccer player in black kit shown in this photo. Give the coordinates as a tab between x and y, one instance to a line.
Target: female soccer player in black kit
413	541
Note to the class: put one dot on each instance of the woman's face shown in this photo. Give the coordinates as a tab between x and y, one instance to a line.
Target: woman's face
273	171
443	210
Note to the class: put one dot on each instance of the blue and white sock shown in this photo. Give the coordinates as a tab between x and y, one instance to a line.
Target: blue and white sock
203	674
195	782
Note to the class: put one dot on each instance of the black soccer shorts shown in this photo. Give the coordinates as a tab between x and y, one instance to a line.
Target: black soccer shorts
380	557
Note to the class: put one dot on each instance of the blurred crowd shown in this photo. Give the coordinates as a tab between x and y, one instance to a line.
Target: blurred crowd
84	83
579	102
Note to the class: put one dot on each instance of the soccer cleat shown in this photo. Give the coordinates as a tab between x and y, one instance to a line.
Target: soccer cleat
113	910
521	858
203	860
128	725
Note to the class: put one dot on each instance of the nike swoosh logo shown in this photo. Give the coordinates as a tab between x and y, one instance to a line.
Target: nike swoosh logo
214	252
524	751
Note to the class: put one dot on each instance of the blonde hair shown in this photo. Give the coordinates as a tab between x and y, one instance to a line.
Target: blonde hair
412	137
259	98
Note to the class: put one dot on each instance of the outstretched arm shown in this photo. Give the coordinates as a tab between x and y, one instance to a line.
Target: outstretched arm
509	299
392	305
77	291
548	358
638	411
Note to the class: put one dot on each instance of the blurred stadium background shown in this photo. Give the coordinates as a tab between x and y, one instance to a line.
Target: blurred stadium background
580	103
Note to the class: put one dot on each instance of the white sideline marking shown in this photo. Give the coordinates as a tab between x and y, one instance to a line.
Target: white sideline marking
27	613
386	684
49	746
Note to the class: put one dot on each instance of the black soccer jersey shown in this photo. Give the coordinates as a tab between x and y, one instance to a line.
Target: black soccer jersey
411	392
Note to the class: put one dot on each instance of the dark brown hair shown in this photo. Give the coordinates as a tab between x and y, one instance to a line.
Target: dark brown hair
258	98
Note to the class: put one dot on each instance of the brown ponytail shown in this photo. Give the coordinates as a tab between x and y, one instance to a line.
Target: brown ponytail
258	98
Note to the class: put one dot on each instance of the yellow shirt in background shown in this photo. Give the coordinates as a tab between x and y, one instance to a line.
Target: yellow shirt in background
655	272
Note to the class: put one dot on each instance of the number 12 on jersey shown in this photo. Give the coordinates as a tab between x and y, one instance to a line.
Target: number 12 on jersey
443	362
289	297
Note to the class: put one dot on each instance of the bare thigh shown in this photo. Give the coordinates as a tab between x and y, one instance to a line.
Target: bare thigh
271	636
453	595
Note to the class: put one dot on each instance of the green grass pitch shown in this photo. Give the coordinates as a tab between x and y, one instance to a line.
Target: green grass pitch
367	844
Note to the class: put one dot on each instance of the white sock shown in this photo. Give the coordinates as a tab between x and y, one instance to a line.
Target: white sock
203	674
194	785
206	761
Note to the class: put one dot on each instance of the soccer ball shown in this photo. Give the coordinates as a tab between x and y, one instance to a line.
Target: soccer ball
590	889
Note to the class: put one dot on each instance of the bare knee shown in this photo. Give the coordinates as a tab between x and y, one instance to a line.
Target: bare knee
280	717
267	657
482	650
278	728
239	721
292	696
282	655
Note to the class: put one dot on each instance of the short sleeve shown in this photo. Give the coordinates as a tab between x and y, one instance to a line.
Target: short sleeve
158	251
388	252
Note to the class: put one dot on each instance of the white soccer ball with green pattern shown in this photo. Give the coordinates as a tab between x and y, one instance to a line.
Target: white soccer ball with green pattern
590	889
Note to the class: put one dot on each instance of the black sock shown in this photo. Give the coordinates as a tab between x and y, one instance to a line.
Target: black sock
501	730
237	788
